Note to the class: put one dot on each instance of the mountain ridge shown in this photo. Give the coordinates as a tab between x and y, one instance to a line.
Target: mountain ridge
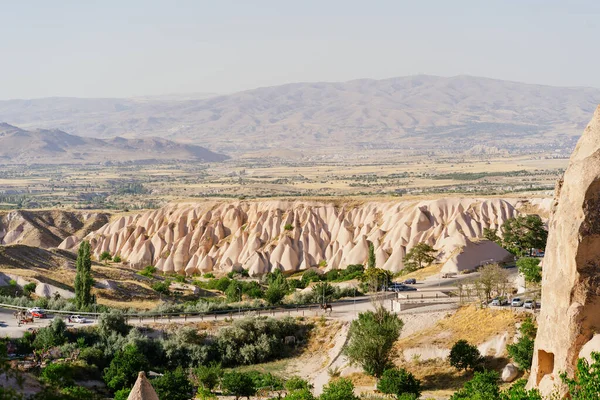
53	146
421	112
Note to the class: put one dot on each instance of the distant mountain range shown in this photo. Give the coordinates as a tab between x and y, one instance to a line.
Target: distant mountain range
18	146
421	112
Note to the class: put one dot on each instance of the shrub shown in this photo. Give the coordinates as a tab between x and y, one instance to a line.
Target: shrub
53	335
586	382
117	258
209	275
173	385
124	368
122	394
297	383
148	271
238	384
464	356
113	321
372	336
302	394
339	389
288	227
162	287
310	276
399	382
57	374
29	288
105	256
208	375
484	385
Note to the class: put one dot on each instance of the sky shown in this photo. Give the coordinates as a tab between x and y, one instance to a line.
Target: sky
133	48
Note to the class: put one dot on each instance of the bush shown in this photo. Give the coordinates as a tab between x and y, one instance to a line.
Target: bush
238	384
124	368
310	276
208	275
173	385
113	321
208	375
297	383
256	340
399	382
372	336
484	386
105	256
339	389
148	271
117	258
302	394
58	375
53	335
518	392
29	288
586	382
162	287
288	227
464	356
122	394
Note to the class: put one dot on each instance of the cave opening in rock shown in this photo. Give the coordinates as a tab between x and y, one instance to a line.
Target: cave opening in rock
545	364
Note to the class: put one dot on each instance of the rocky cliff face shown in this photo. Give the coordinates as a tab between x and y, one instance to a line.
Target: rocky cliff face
569	318
295	235
47	228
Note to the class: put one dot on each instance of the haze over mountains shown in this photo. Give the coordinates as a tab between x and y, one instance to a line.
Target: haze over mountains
18	146
421	112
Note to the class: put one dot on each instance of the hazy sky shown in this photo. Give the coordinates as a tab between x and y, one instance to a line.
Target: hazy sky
128	48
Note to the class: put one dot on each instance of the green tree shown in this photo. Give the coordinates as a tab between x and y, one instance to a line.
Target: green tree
372	261
50	336
122	394
105	256
585	385
208	375
29	288
492	235
83	278
277	289
372	336
464	356
117	258
173	385
323	292
399	382
58	375
518	392
113	321
124	368
339	389
522	351
375	278
483	386
530	268
302	394
238	384
419	256
523	233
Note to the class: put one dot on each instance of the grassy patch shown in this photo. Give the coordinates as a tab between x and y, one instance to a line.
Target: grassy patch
475	325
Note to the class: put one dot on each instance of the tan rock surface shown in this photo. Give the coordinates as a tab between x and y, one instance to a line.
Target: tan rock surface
220	236
571	296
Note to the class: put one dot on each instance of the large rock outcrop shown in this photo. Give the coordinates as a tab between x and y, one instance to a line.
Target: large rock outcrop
571	274
47	228
295	235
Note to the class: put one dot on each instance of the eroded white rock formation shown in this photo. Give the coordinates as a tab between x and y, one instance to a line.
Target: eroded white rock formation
569	318
294	235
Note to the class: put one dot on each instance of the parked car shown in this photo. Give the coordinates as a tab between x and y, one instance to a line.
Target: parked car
516	302
499	301
410	281
37	312
531	304
78	319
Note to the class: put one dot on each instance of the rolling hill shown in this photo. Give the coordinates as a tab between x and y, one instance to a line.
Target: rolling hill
42	146
417	112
